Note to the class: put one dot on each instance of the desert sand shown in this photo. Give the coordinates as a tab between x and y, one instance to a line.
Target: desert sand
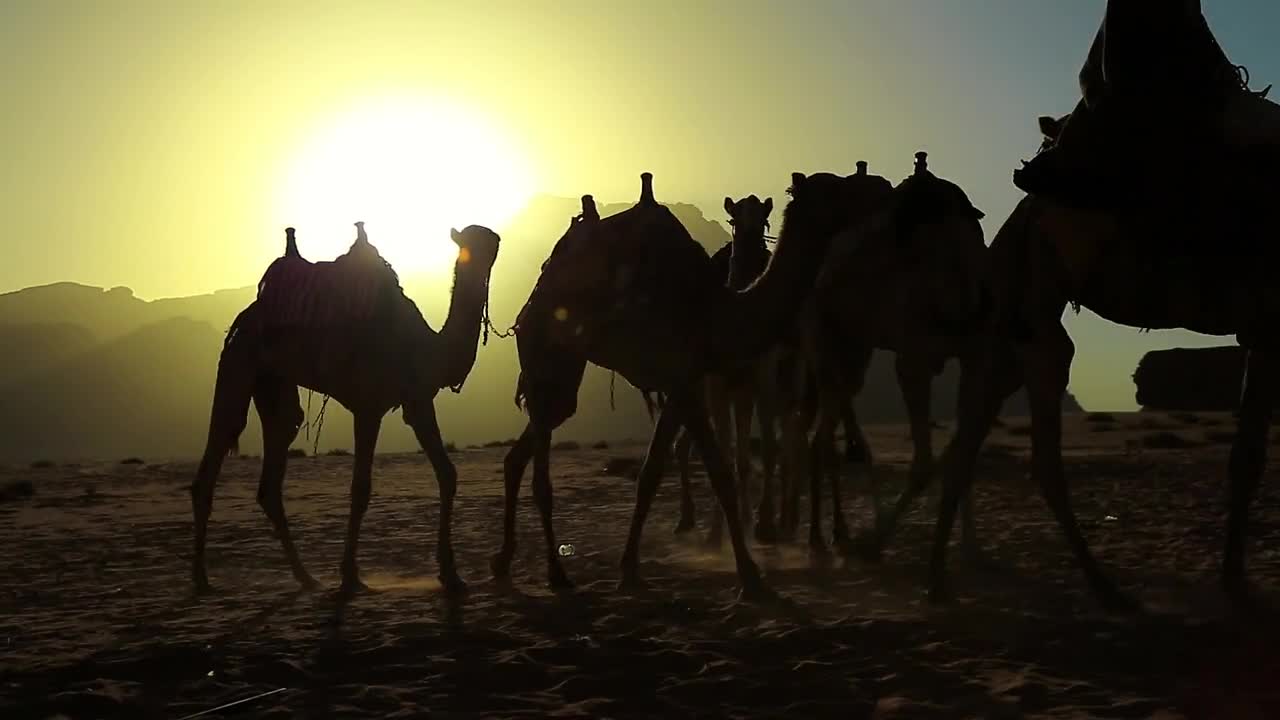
97	619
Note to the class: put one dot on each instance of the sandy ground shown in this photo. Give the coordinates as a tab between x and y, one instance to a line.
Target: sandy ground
97	618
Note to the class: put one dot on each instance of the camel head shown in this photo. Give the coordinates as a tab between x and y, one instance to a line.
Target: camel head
749	217
477	249
1050	127
823	204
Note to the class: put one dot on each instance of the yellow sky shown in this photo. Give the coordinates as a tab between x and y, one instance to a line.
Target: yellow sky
159	145
153	141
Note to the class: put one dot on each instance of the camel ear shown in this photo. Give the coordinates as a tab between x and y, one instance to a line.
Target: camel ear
1049	126
797	179
457	236
768	206
728	205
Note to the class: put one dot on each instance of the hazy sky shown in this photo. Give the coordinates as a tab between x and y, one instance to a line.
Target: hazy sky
164	145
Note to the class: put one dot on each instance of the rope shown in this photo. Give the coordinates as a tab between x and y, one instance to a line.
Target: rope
315	447
486	327
613	376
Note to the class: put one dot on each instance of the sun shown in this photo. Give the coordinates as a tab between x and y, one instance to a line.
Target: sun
410	169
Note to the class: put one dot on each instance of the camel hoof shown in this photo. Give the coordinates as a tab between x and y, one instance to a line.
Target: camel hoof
559	581
982	562
757	592
452	584
855	455
1117	603
631	583
766	533
819	553
939	595
500	566
684	526
202	588
353	586
714	541
306	583
866	546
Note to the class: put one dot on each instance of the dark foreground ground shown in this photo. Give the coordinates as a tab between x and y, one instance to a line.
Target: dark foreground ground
97	618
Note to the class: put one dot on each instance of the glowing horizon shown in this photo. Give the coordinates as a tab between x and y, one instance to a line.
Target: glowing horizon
409	166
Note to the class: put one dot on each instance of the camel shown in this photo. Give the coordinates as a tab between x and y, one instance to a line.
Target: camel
634	293
912	282
740	262
1151	266
327	327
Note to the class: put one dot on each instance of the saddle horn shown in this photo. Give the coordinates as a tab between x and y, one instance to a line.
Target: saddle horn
646	189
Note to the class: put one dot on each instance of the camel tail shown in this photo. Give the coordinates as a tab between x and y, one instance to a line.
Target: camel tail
520	393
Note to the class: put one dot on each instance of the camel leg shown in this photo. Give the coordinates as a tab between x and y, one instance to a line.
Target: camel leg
513	466
232	391
797	418
717	401
817	545
556	576
766	529
855	449
987	378
795	448
743	412
1048	367
914	380
280	412
840	373
688	518
722	483
367	425
1248	462
647	483
426	427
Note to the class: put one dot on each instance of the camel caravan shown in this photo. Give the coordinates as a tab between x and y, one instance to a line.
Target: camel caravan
784	338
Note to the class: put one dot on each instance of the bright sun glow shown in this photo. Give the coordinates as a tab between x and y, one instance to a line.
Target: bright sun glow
410	169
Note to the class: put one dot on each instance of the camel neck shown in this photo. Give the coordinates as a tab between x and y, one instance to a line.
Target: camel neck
461	331
746	258
767	308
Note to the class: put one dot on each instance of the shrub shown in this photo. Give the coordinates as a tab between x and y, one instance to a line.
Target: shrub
566	445
42	465
1099	417
296	453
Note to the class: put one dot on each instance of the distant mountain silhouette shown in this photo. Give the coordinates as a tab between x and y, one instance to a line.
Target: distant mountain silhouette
104	374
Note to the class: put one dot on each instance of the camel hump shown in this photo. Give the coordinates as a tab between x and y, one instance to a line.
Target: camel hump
646	188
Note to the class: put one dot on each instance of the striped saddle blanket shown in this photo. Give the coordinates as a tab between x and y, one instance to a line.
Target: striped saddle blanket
297	292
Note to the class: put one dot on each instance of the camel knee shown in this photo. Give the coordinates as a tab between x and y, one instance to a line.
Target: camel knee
447	479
